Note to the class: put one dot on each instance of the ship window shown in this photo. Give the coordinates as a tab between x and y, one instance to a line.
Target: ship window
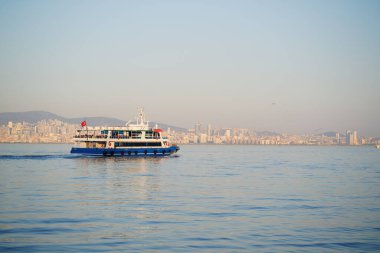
136	134
137	144
148	134
117	134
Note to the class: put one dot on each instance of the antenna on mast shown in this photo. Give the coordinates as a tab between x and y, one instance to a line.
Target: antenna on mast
140	119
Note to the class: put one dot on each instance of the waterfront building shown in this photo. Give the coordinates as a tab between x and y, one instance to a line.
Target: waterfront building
227	133
198	128
203	138
352	137
355	138
348	137
337	137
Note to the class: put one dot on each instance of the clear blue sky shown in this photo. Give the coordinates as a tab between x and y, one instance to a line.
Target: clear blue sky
287	66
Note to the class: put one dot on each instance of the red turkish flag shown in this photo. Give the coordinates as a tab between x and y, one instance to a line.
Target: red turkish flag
83	123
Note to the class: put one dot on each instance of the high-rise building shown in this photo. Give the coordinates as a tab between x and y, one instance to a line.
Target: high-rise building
348	137
10	126
352	138
209	133
337	137
198	128
209	129
355	138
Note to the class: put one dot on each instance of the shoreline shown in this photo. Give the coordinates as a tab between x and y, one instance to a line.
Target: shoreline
210	144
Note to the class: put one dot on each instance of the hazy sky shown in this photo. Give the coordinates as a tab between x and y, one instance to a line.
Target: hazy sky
287	66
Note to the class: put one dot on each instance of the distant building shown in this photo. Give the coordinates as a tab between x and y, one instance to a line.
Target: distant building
355	138
348	137
337	137
10	126
209	129
198	128
203	138
352	138
209	133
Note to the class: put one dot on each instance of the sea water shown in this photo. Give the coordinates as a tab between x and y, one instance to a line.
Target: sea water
205	199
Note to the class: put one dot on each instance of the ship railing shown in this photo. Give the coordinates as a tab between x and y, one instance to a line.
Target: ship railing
133	137
124	137
104	136
101	136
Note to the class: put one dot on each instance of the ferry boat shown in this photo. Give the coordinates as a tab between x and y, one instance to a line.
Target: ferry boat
137	139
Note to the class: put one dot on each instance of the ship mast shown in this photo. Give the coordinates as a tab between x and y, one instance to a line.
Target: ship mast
140	120
140	124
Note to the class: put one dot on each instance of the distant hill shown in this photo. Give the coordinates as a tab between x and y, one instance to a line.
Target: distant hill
267	133
30	116
332	134
35	116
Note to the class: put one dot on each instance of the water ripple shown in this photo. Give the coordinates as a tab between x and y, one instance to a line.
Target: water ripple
208	199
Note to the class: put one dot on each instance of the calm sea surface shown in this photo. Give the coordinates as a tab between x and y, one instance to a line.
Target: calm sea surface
207	199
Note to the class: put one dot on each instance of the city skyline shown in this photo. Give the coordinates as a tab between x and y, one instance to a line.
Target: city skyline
57	131
197	126
283	66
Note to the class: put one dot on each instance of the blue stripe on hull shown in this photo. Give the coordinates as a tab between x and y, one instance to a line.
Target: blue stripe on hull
125	151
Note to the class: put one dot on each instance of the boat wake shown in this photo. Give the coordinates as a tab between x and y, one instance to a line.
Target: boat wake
36	157
69	156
